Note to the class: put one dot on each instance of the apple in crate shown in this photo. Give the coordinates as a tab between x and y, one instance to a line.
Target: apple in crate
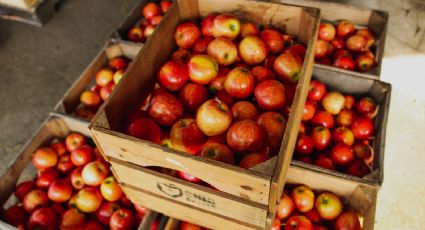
239	83
44	158
218	152
35	199
192	96
253	50
347	220
245	135
165	109
60	191
213	117
207	25
242	110
186	35
298	222
186	136
252	159
201	46
249	29
150	10
328	205
270	95
345	28
88	199
104	213
274	125
273	39
45	178
226	26
262	73
326	32
122	219
94	173
43	218
288	67
173	75
303	198
223	50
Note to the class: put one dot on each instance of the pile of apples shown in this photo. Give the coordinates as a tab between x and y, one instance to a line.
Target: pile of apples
345	47
106	80
152	15
336	131
74	189
225	94
303	209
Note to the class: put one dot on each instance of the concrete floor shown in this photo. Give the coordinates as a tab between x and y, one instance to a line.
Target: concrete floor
39	64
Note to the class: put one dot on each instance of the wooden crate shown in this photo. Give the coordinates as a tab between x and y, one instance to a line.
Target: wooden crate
376	20
71	100
359	86
252	194
27	11
20	4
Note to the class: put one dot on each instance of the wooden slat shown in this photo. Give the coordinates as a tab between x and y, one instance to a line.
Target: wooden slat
20	4
190	194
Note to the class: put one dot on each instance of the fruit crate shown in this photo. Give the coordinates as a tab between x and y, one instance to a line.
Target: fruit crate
359	86
71	99
33	12
21	4
376	20
247	198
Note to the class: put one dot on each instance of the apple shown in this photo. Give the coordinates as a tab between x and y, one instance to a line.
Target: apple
288	67
322	49
358	168
15	215
363	128
344	63
333	102
270	95
368	35
186	35
262	73
23	188
90	99
226	26
308	111
165	5
149	29
253	50
82	155
343	135
313	216
274	125
42	218
249	29
85	112
94	173
189	226
74	140
223	96
105	91
305	145
365	62
286	207
88	199
132	116
345	118
218	152
165	109
46	177
72	219
324	162
242	110
342	154
136	34
186	136
356	43
337	43
213	117
276	224
217	84
345	28
323	118
273	39
34	199
363	151
201	46
110	189
303	198
150	10
223	50
156	20
328	205
181	55
118	63
342	53
44	158
239	83
125	202
104	76
347	221
192	96
316	91
252	159
65	165
326	32
297	49
202	69
367	107
59	147
321	137
173	75
122	219
145	129
140	209
60	191
349	102
188	177
245	135
77	178
207	25
298	223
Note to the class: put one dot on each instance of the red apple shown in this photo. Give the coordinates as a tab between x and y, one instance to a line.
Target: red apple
324	162
297	49
273	39
218	152
364	152
328	205
365	62
217	84
276	224
202	69
322	49
104	213
244	110
249	29
77	178
270	95
165	109
347	221
46	177
345	63
321	137
356	43
156	20
188	177
118	63
298	223
317	90
181	55
201	46
136	34
245	135
342	53
72	219
42	218
313	216
35	199
15	215
308	111
305	145
223	50
104	76
140	209
262	73
59	147
274	125
150	10
213	117
223	96
94	173
252	159
323	118
186	136
326	32
333	102
60	191
253	50
44	158
105	91
343	135
367	107
173	75
207	25
187	34
288	66
286	207
345	118
23	188
145	129
111	189
358	168
74	140
345	28
342	154
226	26
88	199
82	155
303	198
192	96
363	128
239	83
368	35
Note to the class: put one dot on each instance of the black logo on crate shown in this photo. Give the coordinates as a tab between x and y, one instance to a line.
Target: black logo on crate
173	191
